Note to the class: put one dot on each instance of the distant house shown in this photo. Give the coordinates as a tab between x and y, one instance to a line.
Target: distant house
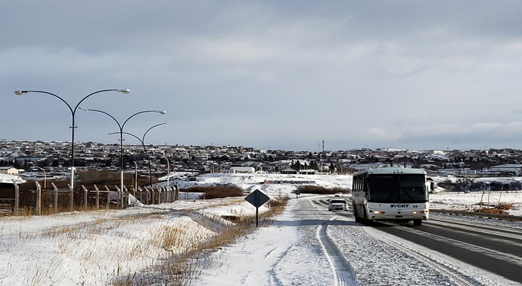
429	166
10	179
362	167
288	171
9	170
507	168
249	170
307	172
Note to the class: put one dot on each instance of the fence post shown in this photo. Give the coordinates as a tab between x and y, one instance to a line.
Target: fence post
120	200
55	197
153	196
108	197
125	197
146	189
38	198
71	198
141	193
149	195
176	194
85	196
97	197
17	198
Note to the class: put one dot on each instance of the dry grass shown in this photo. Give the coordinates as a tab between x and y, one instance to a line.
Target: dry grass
498	209
31	211
94	227
183	248
214	192
181	268
320	190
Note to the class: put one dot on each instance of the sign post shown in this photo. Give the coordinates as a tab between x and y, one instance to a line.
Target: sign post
257	199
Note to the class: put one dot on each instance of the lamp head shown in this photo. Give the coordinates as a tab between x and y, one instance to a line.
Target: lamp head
162	112
125	91
20	92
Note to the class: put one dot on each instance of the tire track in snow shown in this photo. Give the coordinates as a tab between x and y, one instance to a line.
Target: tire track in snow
271	251
274	280
343	273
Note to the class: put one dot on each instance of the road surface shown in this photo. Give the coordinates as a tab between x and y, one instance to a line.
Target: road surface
496	249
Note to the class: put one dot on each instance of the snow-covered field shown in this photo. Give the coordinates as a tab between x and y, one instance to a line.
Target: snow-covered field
98	248
471	201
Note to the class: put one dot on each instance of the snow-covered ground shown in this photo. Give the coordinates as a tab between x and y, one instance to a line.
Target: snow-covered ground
97	248
471	201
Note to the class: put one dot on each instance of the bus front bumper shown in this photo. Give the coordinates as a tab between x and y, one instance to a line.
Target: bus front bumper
399	215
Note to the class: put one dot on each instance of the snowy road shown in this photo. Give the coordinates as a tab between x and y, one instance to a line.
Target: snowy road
494	248
309	245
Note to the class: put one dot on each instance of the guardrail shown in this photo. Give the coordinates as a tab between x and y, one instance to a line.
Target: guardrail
478	214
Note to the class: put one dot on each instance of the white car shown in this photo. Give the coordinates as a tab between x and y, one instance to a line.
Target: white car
337	204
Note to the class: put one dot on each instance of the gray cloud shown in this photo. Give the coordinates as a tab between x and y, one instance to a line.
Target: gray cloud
268	74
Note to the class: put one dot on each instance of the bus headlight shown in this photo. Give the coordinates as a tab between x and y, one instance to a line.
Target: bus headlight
414	212
379	212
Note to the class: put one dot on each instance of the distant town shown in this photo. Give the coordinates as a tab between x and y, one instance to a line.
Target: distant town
19	157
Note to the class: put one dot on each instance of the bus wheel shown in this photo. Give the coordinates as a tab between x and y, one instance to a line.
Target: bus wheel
365	219
417	222
354	210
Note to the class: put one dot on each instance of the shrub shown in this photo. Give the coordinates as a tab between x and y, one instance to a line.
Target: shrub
213	192
320	190
277	203
107	178
499	209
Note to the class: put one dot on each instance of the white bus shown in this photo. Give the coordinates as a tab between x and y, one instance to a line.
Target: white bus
390	193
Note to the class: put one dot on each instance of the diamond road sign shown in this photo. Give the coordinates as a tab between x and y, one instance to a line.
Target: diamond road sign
257	198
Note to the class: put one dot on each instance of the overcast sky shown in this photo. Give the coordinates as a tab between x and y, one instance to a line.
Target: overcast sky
267	74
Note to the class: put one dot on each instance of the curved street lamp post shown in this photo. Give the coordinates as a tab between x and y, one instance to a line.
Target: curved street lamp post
121	126
135	177
73	115
142	141
45	176
168	170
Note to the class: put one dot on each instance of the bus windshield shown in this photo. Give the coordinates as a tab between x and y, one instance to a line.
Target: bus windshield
397	188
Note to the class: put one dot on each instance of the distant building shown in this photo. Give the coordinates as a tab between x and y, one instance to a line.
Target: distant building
362	167
507	168
9	170
9	179
429	166
288	171
248	170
